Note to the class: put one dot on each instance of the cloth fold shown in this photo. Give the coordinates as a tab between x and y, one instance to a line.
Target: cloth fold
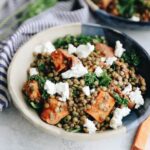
61	13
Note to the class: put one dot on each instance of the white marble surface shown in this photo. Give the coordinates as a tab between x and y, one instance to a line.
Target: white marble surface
18	134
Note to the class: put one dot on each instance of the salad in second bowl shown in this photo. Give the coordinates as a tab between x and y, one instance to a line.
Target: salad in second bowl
81	84
135	10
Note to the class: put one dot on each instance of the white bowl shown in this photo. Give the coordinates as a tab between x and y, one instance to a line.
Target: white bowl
17	75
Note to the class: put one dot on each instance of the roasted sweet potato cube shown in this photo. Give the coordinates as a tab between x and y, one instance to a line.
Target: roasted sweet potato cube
31	89
62	60
102	108
105	3
55	112
104	50
58	60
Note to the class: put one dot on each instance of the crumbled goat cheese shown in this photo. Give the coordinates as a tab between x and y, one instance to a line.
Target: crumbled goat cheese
118	115
50	87
90	126
110	60
136	97
127	89
71	49
135	18
60	88
98	71
82	51
47	47
92	90
63	90
103	59
77	70
119	50
86	90
33	71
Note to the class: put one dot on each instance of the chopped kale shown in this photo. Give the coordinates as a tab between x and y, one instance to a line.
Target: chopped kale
75	130
90	79
41	67
120	100
104	79
77	40
131	58
41	80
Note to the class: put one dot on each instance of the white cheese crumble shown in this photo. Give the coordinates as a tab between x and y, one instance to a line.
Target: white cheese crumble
103	59
110	60
90	126
135	18
86	90
118	115
47	47
127	89
98	71
119	50
77	70
33	71
82	51
136	97
63	90
92	90
71	49
50	87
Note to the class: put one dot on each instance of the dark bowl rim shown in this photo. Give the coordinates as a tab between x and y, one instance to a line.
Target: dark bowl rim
96	9
122	18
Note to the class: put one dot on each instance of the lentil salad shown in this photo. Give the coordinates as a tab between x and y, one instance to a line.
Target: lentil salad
135	10
81	84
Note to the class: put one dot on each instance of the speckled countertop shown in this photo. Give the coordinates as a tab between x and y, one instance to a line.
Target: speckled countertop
16	133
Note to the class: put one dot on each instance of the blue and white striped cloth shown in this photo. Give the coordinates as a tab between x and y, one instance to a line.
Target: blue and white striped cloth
60	14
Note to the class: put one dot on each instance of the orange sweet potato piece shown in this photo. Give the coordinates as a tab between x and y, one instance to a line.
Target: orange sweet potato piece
105	3
69	57
105	51
54	113
31	89
142	136
58	60
102	108
62	60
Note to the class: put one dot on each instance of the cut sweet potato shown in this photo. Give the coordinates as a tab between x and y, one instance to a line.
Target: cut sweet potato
105	3
142	136
58	60
105	51
102	108
55	112
62	60
31	89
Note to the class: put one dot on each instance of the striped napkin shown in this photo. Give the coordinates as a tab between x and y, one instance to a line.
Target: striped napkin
61	13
